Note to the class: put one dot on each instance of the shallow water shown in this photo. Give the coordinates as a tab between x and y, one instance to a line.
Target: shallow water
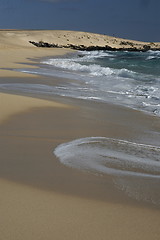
130	79
135	167
111	156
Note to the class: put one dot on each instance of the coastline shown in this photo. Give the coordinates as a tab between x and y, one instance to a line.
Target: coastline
34	185
40	198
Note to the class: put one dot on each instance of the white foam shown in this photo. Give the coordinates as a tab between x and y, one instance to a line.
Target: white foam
150	57
125	73
135	167
153	55
73	65
95	54
111	156
119	82
78	64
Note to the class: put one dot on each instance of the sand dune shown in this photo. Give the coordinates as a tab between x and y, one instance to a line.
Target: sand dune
21	38
15	48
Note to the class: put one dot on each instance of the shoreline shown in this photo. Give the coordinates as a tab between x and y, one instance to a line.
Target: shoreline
35	185
56	120
20	58
41	198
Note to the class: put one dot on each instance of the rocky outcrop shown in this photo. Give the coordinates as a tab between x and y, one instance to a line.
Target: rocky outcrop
127	46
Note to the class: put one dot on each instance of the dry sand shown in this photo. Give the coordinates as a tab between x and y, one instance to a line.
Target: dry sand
40	198
16	49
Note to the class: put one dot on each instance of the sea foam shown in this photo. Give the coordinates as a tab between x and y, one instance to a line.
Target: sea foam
130	79
134	167
111	156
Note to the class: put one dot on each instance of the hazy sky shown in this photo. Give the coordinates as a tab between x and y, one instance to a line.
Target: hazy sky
133	19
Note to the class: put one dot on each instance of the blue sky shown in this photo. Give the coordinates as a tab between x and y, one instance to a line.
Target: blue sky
133	19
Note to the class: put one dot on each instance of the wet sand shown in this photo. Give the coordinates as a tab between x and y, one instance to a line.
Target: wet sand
42	199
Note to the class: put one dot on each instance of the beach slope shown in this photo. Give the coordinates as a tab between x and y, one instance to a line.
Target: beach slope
39	197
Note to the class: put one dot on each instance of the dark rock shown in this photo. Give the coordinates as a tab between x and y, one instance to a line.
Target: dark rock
146	48
94	48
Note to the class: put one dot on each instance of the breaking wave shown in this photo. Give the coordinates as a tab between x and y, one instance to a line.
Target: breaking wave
78	66
130	79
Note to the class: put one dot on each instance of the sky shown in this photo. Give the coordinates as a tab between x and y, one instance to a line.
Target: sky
131	19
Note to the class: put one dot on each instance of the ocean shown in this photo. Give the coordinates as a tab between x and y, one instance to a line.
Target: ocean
129	79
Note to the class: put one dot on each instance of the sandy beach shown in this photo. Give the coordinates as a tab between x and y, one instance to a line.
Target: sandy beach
39	197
